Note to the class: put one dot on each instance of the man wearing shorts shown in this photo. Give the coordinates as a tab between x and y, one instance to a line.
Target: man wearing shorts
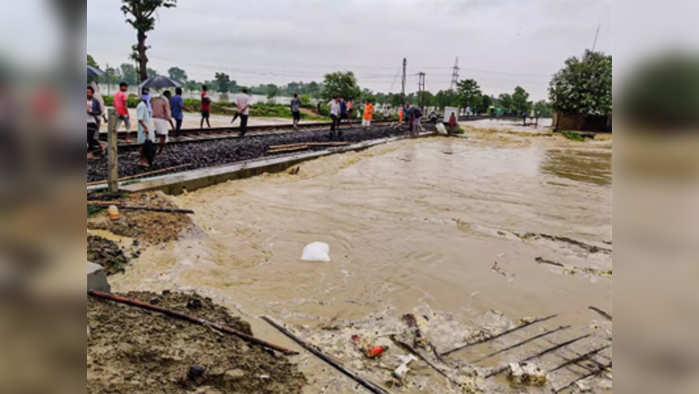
296	110
368	114
121	106
205	107
162	117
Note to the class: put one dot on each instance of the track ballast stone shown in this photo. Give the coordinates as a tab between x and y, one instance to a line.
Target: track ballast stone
230	150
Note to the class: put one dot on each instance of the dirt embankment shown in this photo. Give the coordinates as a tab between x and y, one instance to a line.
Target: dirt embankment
133	350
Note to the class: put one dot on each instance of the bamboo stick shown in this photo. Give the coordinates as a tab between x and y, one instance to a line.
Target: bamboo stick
373	387
192	319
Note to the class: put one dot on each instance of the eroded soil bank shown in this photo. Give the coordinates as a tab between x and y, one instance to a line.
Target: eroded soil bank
131	350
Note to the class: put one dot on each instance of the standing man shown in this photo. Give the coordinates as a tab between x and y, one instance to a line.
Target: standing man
93	112
296	110
205	107
334	106
145	129
176	107
368	114
122	108
242	101
162	117
343	111
409	117
417	118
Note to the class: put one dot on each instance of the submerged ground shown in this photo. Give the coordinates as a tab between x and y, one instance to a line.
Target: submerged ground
462	232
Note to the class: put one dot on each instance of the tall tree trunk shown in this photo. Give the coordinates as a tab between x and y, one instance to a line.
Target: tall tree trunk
142	58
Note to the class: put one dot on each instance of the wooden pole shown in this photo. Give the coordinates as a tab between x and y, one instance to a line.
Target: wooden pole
112	154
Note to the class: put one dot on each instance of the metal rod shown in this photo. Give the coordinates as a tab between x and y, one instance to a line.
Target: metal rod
541	353
587	375
518	344
579	358
499	335
373	387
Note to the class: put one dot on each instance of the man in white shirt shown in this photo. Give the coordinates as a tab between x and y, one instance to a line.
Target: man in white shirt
243	101
334	105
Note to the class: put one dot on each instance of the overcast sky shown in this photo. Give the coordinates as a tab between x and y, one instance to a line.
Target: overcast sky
500	43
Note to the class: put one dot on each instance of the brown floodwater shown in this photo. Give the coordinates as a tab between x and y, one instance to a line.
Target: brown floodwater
435	223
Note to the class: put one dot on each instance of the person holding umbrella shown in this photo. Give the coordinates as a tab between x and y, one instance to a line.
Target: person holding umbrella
162	116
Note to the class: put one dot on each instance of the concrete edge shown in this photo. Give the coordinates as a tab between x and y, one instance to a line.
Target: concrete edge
176	183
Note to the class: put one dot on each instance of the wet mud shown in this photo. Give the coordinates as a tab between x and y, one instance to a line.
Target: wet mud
133	350
146	227
107	253
225	151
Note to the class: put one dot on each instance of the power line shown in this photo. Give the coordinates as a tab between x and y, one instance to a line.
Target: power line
454	74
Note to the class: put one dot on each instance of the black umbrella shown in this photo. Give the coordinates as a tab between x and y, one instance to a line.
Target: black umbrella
94	71
159	82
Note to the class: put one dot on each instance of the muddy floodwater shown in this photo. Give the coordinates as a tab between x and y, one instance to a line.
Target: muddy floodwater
496	224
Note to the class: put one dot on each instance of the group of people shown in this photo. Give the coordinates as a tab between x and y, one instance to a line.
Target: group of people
341	109
413	114
155	116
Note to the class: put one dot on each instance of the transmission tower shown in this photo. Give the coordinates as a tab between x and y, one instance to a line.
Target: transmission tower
454	74
421	90
402	90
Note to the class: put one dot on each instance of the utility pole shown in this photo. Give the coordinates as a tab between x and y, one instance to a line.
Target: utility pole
594	43
112	154
421	90
402	90
454	74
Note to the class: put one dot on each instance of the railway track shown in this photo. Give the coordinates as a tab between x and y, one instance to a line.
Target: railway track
217	133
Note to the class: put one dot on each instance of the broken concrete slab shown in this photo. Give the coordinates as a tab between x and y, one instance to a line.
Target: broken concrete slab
97	278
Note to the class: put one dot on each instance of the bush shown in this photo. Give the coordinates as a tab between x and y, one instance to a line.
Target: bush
571	135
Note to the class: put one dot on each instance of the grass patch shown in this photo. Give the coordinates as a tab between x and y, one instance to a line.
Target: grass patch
573	136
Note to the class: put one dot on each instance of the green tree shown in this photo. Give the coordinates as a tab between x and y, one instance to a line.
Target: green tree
151	72
583	86
177	74
91	61
340	83
446	98
129	74
505	103
192	85
542	109
139	14
469	92
484	104
222	82
272	90
520	104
